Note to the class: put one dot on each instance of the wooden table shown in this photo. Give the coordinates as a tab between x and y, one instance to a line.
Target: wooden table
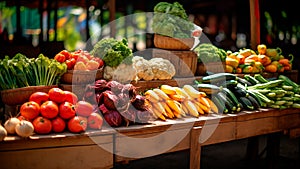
104	149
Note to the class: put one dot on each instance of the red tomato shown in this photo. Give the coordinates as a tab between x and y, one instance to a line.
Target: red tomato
57	95
77	124
71	97
75	55
70	63
83	108
39	97
60	58
30	110
42	125
95	121
66	110
99	60
66	53
58	125
49	109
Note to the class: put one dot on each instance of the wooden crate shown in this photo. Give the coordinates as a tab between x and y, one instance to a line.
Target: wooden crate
214	67
185	62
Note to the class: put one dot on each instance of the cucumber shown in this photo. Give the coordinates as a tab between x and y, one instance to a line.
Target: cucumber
246	103
260	78
269	84
287	88
208	88
261	96
218	77
251	79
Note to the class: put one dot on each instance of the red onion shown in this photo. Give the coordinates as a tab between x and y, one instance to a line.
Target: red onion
113	118
110	100
139	102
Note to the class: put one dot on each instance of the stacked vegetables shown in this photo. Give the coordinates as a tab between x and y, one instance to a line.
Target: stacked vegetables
168	102
20	71
263	60
170	19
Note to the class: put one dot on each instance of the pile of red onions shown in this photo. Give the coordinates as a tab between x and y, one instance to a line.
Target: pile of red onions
119	103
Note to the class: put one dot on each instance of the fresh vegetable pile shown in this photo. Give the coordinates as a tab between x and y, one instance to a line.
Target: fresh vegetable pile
79	60
20	71
263	60
170	19
56	111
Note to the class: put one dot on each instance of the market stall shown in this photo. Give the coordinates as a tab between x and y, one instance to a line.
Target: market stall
115	107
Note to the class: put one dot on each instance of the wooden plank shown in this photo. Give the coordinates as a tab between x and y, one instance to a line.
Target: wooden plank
53	140
221	132
255	127
289	121
294	133
195	149
151	144
75	157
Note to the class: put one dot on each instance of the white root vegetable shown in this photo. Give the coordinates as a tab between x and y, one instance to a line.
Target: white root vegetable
10	125
24	128
3	133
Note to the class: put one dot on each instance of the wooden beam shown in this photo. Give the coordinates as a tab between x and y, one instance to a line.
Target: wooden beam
254	23
112	17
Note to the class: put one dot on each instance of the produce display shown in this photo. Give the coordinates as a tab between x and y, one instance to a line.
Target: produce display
264	59
21	71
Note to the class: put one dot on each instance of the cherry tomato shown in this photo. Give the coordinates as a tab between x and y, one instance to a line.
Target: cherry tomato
42	125
60	58
70	63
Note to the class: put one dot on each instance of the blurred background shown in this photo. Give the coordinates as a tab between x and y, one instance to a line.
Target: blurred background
47	26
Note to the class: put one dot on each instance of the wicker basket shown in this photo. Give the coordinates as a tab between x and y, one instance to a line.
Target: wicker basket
81	77
18	96
166	42
185	62
214	67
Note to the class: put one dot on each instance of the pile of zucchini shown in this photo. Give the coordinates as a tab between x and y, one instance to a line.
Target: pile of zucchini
232	93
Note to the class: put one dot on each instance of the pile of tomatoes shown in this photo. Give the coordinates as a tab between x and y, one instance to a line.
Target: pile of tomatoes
79	60
58	111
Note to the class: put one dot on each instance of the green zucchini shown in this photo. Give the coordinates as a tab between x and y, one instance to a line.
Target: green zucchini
228	103
218	77
259	100
229	83
246	103
254	102
208	88
232	96
296	105
287	88
261	96
243	81
271	94
220	104
280	102
251	79
239	92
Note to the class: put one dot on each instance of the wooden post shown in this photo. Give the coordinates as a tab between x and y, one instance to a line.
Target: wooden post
112	17
254	23
195	148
